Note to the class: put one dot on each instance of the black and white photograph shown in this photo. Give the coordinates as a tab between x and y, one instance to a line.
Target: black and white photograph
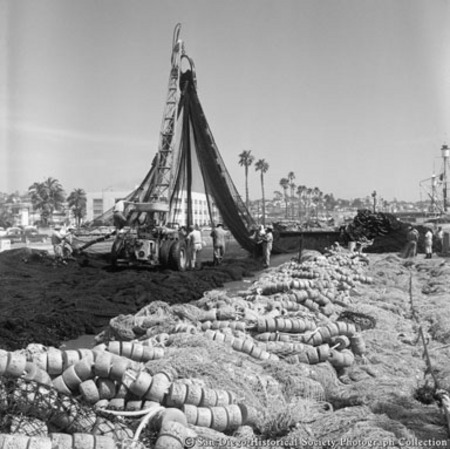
224	224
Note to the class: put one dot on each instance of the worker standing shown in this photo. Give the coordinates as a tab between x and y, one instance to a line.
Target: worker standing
267	243
412	238
119	218
62	243
428	244
195	244
218	235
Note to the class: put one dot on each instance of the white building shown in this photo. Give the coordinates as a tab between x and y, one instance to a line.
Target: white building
100	202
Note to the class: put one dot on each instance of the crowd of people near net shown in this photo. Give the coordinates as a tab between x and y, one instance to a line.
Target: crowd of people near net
433	242
63	239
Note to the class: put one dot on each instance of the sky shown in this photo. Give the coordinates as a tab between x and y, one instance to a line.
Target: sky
351	95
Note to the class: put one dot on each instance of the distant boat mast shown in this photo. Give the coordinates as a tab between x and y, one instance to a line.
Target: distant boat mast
445	156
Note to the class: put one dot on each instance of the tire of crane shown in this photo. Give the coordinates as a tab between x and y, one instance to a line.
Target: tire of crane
116	250
178	256
164	253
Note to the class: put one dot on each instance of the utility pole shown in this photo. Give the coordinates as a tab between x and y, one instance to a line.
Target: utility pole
374	196
445	155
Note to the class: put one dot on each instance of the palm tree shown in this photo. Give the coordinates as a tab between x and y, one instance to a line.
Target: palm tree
284	182
47	197
246	159
374	196
262	166
329	202
301	191
77	203
291	177
308	199
317	196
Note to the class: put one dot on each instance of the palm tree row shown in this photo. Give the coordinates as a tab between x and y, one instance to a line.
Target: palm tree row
49	196
246	159
309	199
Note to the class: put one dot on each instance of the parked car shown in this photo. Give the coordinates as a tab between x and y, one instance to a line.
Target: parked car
32	235
28	235
14	234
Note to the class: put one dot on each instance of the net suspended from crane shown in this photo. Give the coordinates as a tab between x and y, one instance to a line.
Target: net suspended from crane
197	148
188	161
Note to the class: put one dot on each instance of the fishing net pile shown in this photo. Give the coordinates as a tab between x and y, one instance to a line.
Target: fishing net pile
321	350
386	232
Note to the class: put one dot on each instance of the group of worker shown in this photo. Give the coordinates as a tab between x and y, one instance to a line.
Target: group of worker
262	235
62	241
429	239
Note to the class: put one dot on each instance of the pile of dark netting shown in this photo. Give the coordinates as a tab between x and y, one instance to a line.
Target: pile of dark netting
387	232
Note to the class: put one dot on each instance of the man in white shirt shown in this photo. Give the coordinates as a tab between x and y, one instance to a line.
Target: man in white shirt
195	244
